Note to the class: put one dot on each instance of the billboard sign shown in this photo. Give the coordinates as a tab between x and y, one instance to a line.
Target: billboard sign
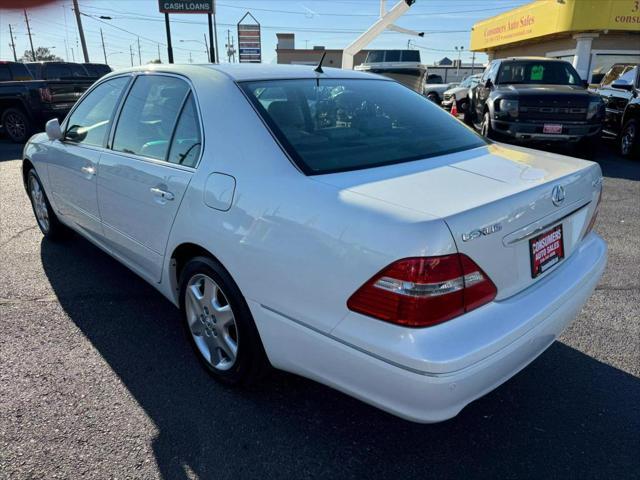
187	6
249	43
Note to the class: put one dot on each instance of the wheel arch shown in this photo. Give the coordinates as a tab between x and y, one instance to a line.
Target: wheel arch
26	166
632	111
180	256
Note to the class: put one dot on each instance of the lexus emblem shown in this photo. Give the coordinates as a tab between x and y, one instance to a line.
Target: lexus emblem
557	195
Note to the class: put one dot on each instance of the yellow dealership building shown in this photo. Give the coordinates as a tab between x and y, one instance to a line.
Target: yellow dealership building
591	34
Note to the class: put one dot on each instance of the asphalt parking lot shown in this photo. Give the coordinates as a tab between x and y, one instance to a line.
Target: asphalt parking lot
98	381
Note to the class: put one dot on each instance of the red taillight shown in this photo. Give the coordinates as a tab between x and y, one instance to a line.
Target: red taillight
592	222
45	94
424	291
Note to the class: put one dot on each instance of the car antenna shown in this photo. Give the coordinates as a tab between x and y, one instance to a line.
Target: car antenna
319	67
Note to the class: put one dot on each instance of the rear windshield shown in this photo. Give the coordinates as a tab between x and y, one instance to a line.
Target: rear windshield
538	72
64	70
338	125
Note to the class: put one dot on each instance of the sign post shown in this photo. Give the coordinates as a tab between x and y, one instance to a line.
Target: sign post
249	43
186	6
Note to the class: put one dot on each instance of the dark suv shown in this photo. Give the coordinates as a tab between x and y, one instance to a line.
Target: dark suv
535	99
620	91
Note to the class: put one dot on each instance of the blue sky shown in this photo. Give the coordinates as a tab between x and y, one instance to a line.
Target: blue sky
332	23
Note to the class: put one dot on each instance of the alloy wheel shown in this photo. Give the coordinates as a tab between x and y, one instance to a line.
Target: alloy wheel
211	322
39	203
627	139
15	125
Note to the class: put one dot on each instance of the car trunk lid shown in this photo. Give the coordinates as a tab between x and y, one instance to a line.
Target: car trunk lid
502	192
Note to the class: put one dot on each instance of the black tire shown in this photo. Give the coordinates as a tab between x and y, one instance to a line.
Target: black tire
629	139
251	361
468	114
16	124
464	106
485	127
586	147
434	97
52	228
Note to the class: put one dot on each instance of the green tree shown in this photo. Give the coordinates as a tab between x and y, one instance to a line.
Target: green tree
43	54
156	60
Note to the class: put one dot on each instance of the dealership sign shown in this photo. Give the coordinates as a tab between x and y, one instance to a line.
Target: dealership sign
249	43
187	6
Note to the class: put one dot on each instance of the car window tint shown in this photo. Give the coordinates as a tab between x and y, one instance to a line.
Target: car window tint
628	77
90	121
392	56
20	71
337	125
186	143
149	115
5	73
410	56
533	72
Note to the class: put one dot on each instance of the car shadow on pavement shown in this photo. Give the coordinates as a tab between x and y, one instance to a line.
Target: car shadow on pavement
567	415
10	150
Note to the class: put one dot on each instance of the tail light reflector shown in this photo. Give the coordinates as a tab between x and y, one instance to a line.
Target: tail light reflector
45	94
424	291
594	217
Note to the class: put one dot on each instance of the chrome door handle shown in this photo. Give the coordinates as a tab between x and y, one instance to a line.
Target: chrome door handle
158	192
88	169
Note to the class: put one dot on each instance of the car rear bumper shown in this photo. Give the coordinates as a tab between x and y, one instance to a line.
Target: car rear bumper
534	131
430	386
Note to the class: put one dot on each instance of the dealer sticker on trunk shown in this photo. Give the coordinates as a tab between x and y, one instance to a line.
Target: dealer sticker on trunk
546	250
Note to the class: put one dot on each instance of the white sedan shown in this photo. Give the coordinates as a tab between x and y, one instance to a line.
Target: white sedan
333	224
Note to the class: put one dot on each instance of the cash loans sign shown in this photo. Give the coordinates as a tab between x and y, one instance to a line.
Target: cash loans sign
186	6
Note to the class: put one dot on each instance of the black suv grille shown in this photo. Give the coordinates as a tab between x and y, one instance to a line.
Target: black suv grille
571	111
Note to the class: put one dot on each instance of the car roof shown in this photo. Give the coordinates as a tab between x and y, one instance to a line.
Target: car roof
241	72
535	59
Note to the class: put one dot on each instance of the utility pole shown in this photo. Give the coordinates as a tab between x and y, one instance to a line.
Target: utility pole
190	59
26	19
104	51
131	54
473	61
76	9
211	49
73	55
13	45
139	56
215	32
206	46
159	57
169	47
228	45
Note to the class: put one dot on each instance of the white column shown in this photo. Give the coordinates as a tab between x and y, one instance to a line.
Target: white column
582	56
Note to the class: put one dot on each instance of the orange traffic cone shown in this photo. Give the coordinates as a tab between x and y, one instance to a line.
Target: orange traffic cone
454	108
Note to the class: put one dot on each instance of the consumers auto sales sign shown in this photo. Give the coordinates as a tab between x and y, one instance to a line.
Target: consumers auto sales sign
187	6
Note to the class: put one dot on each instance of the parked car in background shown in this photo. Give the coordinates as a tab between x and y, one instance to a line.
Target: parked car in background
56	70
26	104
351	231
403	66
97	70
620	91
435	91
460	93
535	99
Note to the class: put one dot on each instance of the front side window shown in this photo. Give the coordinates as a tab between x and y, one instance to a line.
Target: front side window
186	143
90	121
5	73
538	73
149	116
339	125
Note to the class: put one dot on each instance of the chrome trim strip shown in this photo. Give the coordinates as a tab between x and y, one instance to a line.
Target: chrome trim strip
535	228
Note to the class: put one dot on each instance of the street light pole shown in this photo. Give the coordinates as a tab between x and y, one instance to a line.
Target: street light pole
207	47
139	56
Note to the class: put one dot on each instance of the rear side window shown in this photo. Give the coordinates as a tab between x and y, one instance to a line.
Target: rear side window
90	121
149	116
5	73
186	143
20	72
338	125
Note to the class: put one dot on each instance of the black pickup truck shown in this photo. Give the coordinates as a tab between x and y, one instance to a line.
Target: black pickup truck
26	104
620	91
535	99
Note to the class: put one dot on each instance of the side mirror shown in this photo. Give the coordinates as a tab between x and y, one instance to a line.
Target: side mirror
52	128
585	83
488	83
622	86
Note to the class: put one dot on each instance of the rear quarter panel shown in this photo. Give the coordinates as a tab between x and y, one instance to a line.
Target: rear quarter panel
292	244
